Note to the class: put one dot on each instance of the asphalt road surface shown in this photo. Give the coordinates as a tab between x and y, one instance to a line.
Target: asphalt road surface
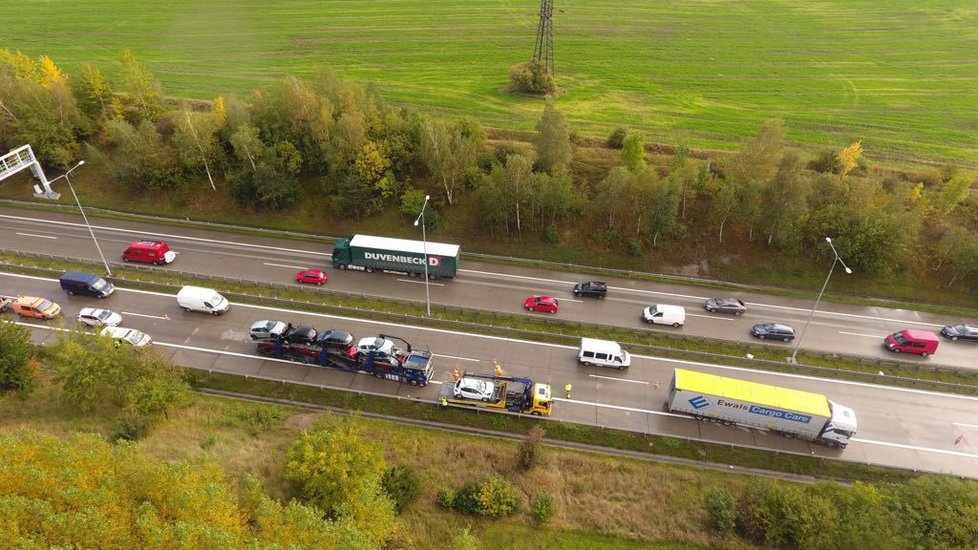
897	427
853	330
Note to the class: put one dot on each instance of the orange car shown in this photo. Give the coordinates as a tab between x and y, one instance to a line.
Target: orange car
38	308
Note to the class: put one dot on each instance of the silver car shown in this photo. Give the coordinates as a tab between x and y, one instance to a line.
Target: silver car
131	336
97	317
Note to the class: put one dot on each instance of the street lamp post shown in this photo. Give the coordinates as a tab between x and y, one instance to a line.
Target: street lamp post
108	271
836	259
424	240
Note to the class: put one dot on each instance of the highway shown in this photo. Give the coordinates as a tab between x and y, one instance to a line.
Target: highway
854	330
897	427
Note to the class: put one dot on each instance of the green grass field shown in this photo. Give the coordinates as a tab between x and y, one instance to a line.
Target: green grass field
901	75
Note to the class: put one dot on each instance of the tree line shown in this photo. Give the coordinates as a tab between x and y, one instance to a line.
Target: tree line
341	140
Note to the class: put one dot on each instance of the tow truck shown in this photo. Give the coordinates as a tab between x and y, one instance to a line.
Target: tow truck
510	393
384	360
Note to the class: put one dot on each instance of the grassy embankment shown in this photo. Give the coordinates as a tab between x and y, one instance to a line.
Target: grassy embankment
600	503
898	75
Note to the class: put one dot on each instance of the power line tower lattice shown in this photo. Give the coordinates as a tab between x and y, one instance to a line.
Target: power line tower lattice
543	52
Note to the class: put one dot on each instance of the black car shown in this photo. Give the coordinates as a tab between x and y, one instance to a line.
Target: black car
335	339
301	335
960	332
596	289
773	331
725	305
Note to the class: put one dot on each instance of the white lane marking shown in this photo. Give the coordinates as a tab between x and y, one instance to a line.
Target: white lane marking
916	448
459	358
714	317
861	334
421	282
504	275
590	403
284	265
164	317
618	379
38	236
549	345
169	236
963	424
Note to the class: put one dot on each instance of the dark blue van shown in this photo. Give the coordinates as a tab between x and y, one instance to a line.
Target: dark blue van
86	284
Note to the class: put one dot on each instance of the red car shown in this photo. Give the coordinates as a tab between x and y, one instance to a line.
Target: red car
311	276
541	303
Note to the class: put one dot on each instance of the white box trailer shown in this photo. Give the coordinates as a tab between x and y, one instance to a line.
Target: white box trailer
790	412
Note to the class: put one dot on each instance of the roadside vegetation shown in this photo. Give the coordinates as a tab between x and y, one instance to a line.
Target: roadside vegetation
215	472
338	155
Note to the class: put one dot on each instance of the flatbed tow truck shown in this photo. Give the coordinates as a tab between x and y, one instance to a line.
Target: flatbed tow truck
509	393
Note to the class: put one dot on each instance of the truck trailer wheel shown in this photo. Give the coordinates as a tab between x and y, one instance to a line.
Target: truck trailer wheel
369	270
341	266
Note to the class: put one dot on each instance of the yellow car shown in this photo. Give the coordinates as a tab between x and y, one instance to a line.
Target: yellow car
38	308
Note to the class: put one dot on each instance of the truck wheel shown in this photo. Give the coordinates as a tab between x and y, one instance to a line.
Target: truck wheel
576	293
70	293
536	413
341	266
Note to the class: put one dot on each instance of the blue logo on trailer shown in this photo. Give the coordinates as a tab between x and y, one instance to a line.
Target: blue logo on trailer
699	402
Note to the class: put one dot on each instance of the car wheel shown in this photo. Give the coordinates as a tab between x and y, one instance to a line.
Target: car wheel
925	354
760	336
896	350
786	339
485	399
186	309
554	312
955	338
676	325
527	308
738	313
712	310
70	293
576	293
600	296
125	259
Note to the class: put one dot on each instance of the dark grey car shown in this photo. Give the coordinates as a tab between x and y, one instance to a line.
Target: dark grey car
773	331
336	339
725	305
960	332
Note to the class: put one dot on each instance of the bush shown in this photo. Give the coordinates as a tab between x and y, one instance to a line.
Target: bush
532	77
617	137
722	508
542	509
402	485
16	351
826	162
494	498
528	453
445	498
551	235
132	427
634	247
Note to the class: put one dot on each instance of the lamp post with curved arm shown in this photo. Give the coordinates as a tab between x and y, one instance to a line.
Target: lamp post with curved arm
424	240
108	270
835	260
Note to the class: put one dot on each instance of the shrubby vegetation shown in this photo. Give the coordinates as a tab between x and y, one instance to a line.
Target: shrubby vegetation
16	352
323	135
81	492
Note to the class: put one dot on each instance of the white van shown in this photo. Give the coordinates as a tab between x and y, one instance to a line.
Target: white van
661	314
205	300
603	353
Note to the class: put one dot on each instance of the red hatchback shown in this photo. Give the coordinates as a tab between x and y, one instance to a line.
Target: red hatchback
541	303
311	276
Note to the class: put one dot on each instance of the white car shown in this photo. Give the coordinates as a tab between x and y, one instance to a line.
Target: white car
379	346
475	389
131	336
268	329
97	317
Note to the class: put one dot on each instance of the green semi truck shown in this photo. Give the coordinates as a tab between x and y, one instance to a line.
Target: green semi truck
368	253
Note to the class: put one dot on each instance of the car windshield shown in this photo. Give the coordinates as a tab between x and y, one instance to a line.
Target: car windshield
134	337
899	338
45	305
100	284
